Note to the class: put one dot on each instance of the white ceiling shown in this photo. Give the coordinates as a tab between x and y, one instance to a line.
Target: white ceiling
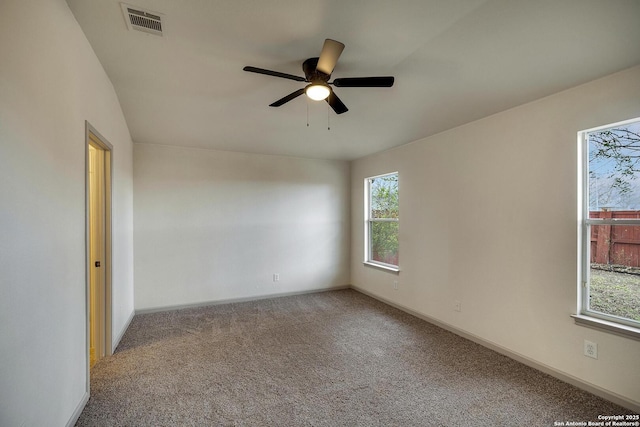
454	61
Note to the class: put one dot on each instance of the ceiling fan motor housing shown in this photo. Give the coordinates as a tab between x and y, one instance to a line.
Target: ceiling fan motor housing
312	74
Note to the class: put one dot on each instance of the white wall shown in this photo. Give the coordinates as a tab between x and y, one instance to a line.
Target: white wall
214	225
488	217
50	83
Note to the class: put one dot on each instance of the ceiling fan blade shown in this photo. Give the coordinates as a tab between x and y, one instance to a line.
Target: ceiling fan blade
274	73
329	56
287	98
386	81
336	104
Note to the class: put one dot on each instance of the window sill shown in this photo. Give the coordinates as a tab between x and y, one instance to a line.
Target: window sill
384	267
604	325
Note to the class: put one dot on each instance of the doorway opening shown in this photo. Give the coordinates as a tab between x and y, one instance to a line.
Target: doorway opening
98	245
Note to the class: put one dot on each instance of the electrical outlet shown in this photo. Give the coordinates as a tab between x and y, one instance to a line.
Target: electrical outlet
590	349
276	277
395	284
457	306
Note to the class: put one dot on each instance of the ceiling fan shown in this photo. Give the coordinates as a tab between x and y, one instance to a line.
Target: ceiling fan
317	72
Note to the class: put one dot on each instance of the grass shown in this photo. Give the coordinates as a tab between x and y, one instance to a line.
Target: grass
615	293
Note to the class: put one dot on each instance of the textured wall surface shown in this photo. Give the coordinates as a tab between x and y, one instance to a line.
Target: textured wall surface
214	225
50	83
473	229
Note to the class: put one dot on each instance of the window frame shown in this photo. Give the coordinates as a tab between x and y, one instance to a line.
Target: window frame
368	220
586	316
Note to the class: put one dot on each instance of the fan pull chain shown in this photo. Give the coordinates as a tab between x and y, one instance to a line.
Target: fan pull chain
307	112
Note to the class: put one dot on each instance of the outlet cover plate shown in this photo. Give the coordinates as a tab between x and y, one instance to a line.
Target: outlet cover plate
590	349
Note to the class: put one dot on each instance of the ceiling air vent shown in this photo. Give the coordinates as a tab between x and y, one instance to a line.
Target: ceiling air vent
143	20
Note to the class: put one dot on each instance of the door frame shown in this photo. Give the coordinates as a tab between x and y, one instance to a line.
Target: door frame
93	136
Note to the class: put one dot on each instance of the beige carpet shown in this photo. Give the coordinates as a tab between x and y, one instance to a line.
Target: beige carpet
327	359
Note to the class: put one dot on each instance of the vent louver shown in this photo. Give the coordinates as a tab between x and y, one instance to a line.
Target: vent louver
143	20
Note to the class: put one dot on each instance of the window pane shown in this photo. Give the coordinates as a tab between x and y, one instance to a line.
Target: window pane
384	242
614	170
614	286
384	196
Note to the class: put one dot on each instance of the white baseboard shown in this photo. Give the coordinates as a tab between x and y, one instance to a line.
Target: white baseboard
76	414
562	376
115	343
233	300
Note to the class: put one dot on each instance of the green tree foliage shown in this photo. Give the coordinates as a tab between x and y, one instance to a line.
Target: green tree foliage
384	204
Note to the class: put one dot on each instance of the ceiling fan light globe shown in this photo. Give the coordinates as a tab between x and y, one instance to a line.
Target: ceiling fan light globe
318	92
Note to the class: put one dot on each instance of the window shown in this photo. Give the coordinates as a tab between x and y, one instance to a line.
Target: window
381	221
610	222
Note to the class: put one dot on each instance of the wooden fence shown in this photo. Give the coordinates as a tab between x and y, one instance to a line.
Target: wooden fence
615	244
